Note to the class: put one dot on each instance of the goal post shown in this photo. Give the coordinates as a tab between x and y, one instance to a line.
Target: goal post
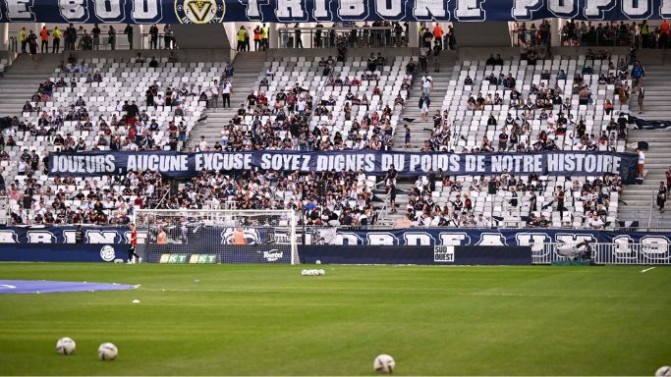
217	236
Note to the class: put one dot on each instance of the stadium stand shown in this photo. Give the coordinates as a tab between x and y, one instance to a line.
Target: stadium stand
321	103
72	112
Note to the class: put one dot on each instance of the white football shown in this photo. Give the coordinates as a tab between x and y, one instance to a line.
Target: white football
384	364
664	371
318	262
66	346
107	352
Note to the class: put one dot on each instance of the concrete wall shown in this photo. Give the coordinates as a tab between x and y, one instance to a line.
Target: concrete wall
201	36
183	55
482	34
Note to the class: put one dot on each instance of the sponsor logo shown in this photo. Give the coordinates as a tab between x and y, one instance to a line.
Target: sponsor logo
443	254
273	255
203	259
107	253
200	11
173	258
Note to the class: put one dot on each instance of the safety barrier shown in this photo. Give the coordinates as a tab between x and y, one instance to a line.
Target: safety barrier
621	251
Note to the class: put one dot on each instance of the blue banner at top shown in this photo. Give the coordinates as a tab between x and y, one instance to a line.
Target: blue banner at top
285	11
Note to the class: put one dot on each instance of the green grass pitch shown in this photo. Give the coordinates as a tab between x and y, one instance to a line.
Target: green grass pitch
270	320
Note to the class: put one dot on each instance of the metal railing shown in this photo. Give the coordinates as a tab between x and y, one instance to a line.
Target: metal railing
103	43
654	251
598	38
360	36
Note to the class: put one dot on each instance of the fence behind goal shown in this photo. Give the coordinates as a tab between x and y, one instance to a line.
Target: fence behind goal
654	253
217	236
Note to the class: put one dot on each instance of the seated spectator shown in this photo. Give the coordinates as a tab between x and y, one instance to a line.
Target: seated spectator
468	80
607	107
27	107
410	67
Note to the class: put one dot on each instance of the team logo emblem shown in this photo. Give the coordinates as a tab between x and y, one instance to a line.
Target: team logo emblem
107	253
200	11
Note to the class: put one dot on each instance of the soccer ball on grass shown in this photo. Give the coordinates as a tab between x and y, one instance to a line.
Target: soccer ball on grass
384	364
66	346
107	352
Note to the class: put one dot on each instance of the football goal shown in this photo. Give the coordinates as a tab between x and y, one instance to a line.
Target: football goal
217	236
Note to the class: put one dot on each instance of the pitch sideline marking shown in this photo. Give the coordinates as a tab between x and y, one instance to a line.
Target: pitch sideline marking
647	269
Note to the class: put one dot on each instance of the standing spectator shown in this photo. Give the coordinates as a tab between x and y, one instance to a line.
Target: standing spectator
640	168
427	37
56	36
257	37
44	36
70	37
424	103
407	136
423	52
664	34
298	39
437	48
451	40
438	35
96	37
427	84
167	37
129	33
153	37
32	41
214	93
398	34
226	90
661	196
23	38
319	34
645	34
668	178
241	38
265	31
332	36
132	245
641	99
637	74
111	37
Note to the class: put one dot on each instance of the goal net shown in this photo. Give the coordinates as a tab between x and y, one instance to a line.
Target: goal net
216	236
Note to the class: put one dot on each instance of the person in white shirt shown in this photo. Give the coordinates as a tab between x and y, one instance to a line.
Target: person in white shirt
202	146
640	169
214	93
596	222
427	84
226	90
482	222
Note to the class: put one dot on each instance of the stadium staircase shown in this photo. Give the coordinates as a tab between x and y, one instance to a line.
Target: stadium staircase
656	103
420	130
641	199
248	66
21	80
